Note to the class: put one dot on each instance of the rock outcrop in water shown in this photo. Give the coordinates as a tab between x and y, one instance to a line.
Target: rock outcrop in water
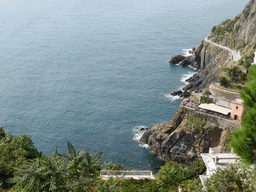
176	59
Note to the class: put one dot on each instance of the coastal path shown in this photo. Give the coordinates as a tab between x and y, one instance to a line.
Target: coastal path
235	54
135	174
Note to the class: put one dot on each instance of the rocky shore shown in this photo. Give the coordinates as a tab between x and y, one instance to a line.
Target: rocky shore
192	132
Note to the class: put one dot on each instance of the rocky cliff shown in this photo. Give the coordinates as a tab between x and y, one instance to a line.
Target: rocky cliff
187	135
238	33
190	133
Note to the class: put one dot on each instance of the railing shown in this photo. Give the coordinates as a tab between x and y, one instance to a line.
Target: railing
126	173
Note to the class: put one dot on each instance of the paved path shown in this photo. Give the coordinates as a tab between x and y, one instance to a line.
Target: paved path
236	55
135	174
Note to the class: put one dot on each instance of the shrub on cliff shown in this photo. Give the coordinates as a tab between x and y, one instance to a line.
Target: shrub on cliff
205	98
223	81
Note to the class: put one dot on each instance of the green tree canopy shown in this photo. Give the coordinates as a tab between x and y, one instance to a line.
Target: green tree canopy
244	139
14	151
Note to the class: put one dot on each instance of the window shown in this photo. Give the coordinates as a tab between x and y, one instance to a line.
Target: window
236	107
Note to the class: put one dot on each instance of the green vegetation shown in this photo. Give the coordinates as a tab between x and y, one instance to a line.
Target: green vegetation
246	61
236	78
244	139
223	81
237	177
226	28
242	45
205	98
237	28
23	168
246	14
196	124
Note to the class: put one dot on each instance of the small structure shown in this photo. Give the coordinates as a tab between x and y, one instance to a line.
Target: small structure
216	159
135	174
237	110
254	61
216	109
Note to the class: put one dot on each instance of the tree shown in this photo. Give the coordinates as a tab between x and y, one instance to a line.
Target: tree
84	168
170	175
223	81
205	98
42	174
14	152
237	177
244	139
232	72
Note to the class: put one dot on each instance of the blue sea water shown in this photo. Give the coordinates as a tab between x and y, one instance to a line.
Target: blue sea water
93	71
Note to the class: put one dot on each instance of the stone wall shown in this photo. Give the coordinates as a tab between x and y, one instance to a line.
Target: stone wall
223	94
223	123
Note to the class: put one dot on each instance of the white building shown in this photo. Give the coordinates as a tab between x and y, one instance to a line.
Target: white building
216	159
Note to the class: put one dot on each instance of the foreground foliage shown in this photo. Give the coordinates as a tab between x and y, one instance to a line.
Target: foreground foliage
244	139
23	168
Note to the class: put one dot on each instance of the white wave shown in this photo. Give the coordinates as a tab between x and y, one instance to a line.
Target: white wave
186	52
172	98
138	134
144	145
187	76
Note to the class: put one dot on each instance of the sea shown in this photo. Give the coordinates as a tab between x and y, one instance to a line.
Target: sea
93	72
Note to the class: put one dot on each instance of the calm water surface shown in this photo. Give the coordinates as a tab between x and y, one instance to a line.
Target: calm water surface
93	72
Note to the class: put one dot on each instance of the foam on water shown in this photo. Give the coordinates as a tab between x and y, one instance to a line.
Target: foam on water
172	98
138	133
187	76
144	146
186	52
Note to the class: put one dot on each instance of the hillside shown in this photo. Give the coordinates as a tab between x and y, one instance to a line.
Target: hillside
238	34
191	132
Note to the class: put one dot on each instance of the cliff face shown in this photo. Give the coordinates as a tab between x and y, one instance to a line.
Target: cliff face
190	132
238	34
239	31
187	135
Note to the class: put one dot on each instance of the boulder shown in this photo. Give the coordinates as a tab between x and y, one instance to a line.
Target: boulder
174	93
176	59
187	61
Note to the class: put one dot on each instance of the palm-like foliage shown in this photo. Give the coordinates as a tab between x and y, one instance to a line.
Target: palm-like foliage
81	163
42	174
83	168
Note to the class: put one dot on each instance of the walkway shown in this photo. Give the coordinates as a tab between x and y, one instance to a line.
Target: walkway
135	174
235	54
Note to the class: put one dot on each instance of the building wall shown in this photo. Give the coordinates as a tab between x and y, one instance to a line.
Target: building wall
237	111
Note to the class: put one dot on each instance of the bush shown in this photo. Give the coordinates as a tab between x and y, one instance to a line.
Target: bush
170	175
205	99
207	93
195	169
230	179
237	28
223	81
112	166
243	76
